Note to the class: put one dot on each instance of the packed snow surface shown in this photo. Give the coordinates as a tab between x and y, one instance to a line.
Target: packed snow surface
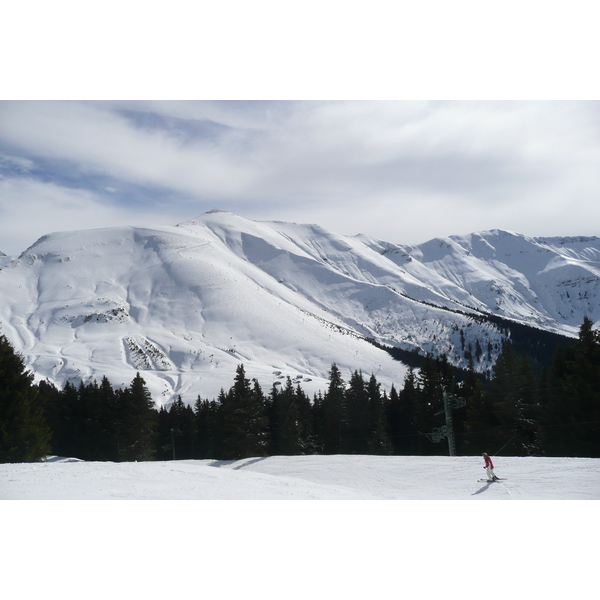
301	549
338	477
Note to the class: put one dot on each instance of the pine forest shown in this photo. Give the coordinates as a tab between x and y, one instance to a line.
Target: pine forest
516	410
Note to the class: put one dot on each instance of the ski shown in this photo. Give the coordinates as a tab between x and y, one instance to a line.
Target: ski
493	480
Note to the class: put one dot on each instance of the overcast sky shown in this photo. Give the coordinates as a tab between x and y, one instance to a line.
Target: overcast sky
401	171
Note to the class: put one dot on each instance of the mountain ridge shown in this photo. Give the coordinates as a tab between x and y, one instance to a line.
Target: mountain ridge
185	304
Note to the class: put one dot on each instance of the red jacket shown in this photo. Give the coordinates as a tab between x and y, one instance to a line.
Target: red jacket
488	463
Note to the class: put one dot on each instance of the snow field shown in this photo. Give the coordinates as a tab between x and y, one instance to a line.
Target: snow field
338	477
299	549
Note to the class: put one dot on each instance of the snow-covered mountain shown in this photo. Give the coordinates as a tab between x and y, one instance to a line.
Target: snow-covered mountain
547	282
4	259
186	304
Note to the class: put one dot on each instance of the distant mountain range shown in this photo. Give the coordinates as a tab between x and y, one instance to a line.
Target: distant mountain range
186	304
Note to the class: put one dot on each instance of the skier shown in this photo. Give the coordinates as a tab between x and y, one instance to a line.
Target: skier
489	468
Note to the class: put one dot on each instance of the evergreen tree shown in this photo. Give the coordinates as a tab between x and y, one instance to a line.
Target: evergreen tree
528	414
306	430
395	420
90	436
318	410
270	402
50	397
379	438
359	418
465	389
67	422
479	421
258	426
572	405
245	425
286	421
514	404
107	416
164	448
206	416
430	389
403	432
183	429
24	436
138	422
221	425
334	414
176	435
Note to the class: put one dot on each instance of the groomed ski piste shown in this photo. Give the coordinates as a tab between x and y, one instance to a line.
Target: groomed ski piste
235	545
337	477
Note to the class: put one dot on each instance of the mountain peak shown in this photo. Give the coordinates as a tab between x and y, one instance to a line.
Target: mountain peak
500	233
209	214
213	211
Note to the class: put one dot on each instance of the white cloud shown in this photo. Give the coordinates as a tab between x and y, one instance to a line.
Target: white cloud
30	209
17	163
402	171
104	142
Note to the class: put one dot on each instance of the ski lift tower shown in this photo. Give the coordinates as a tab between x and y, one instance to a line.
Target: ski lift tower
451	401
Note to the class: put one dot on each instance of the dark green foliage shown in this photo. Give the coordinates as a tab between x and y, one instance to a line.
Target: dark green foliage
513	408
556	412
429	403
137	420
96	422
307	438
291	421
477	423
206	428
359	420
402	408
244	424
379	435
177	432
334	413
286	434
24	436
183	426
571	398
318	410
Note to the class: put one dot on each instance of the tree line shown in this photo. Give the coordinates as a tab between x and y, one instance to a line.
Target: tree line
91	421
516	410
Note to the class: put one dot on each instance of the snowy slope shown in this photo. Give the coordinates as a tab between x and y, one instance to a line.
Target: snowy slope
4	259
186	304
351	282
306	478
548	282
179	306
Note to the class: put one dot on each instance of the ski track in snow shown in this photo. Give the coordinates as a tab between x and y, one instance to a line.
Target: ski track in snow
338	477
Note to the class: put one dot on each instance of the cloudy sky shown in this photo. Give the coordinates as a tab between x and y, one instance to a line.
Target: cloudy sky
372	128
402	171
